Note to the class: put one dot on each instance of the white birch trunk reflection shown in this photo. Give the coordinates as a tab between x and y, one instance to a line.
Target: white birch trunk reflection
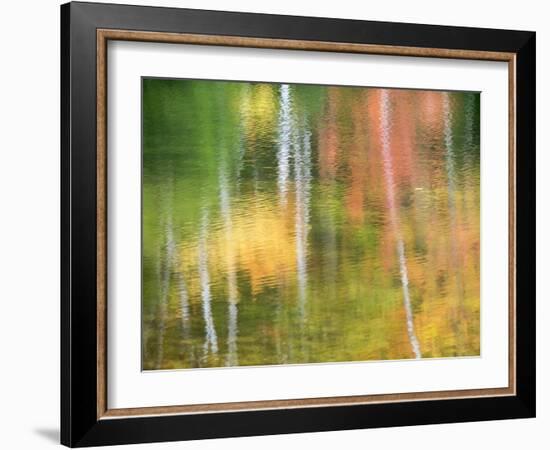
302	174
162	308
165	256
449	155
184	304
285	137
211	339
451	193
385	124
232	325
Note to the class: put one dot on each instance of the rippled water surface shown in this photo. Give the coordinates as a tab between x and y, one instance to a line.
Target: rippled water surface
288	224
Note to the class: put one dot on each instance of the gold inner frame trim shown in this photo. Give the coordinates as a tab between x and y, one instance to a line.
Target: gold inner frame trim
103	36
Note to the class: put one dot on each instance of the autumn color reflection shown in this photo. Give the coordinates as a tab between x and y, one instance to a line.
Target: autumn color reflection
287	224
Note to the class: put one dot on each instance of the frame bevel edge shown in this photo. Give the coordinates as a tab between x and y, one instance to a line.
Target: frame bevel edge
105	34
101	187
512	199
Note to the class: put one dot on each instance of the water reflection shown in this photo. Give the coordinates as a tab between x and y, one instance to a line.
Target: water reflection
292	224
211	338
302	181
231	269
385	132
283	153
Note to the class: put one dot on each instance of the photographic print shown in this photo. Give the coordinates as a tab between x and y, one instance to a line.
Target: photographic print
296	224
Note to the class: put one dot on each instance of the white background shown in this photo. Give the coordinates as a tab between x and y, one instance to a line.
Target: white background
129	387
29	242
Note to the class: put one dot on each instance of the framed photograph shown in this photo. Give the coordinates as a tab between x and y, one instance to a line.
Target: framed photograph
277	224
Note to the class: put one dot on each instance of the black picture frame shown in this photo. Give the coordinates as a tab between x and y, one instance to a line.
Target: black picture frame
80	425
